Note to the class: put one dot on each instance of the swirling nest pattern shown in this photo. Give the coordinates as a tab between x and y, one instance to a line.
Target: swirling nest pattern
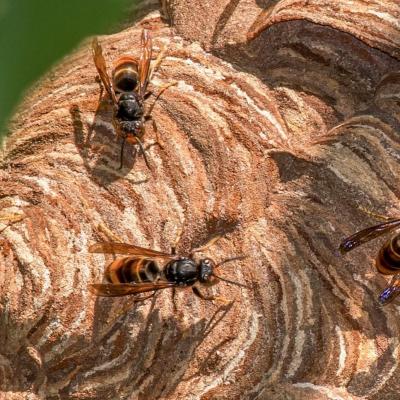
249	150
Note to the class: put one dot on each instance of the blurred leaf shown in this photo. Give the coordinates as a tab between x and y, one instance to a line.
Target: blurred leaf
36	33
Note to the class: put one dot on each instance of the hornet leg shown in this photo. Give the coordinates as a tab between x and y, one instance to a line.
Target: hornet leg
207	245
122	153
143	152
155	129
198	293
162	90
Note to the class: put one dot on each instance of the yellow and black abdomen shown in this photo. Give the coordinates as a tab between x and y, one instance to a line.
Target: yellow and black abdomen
125	74
132	269
388	260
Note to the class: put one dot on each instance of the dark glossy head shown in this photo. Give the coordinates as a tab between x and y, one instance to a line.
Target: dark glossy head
129	107
206	267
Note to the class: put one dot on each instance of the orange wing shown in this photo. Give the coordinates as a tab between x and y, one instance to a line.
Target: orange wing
368	234
144	62
123	248
100	64
124	289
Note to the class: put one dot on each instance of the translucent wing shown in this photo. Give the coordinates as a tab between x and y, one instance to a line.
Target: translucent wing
368	234
124	289
144	62
123	248
100	64
391	292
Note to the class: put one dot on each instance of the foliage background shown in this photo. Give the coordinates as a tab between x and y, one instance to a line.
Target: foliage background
35	34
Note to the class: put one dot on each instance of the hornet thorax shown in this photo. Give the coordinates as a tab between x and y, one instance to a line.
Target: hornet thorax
185	271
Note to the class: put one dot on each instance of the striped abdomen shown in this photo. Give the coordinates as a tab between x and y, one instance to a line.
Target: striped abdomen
388	260
125	74
132	269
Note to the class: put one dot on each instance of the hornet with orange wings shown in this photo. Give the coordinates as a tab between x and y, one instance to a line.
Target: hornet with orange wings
128	91
140	272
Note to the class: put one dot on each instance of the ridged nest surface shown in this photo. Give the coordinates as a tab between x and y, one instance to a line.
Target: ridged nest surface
281	131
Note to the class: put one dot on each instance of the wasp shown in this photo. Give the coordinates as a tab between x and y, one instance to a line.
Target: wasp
141	272
388	259
127	90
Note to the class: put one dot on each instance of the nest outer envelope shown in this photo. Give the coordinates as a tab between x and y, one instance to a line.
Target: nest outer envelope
244	154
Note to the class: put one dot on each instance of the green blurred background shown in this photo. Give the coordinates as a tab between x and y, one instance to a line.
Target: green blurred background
34	34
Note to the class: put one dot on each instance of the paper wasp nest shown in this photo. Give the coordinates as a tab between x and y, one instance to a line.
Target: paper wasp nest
248	151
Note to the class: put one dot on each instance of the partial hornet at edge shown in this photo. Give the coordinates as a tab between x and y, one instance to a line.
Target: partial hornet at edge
388	259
